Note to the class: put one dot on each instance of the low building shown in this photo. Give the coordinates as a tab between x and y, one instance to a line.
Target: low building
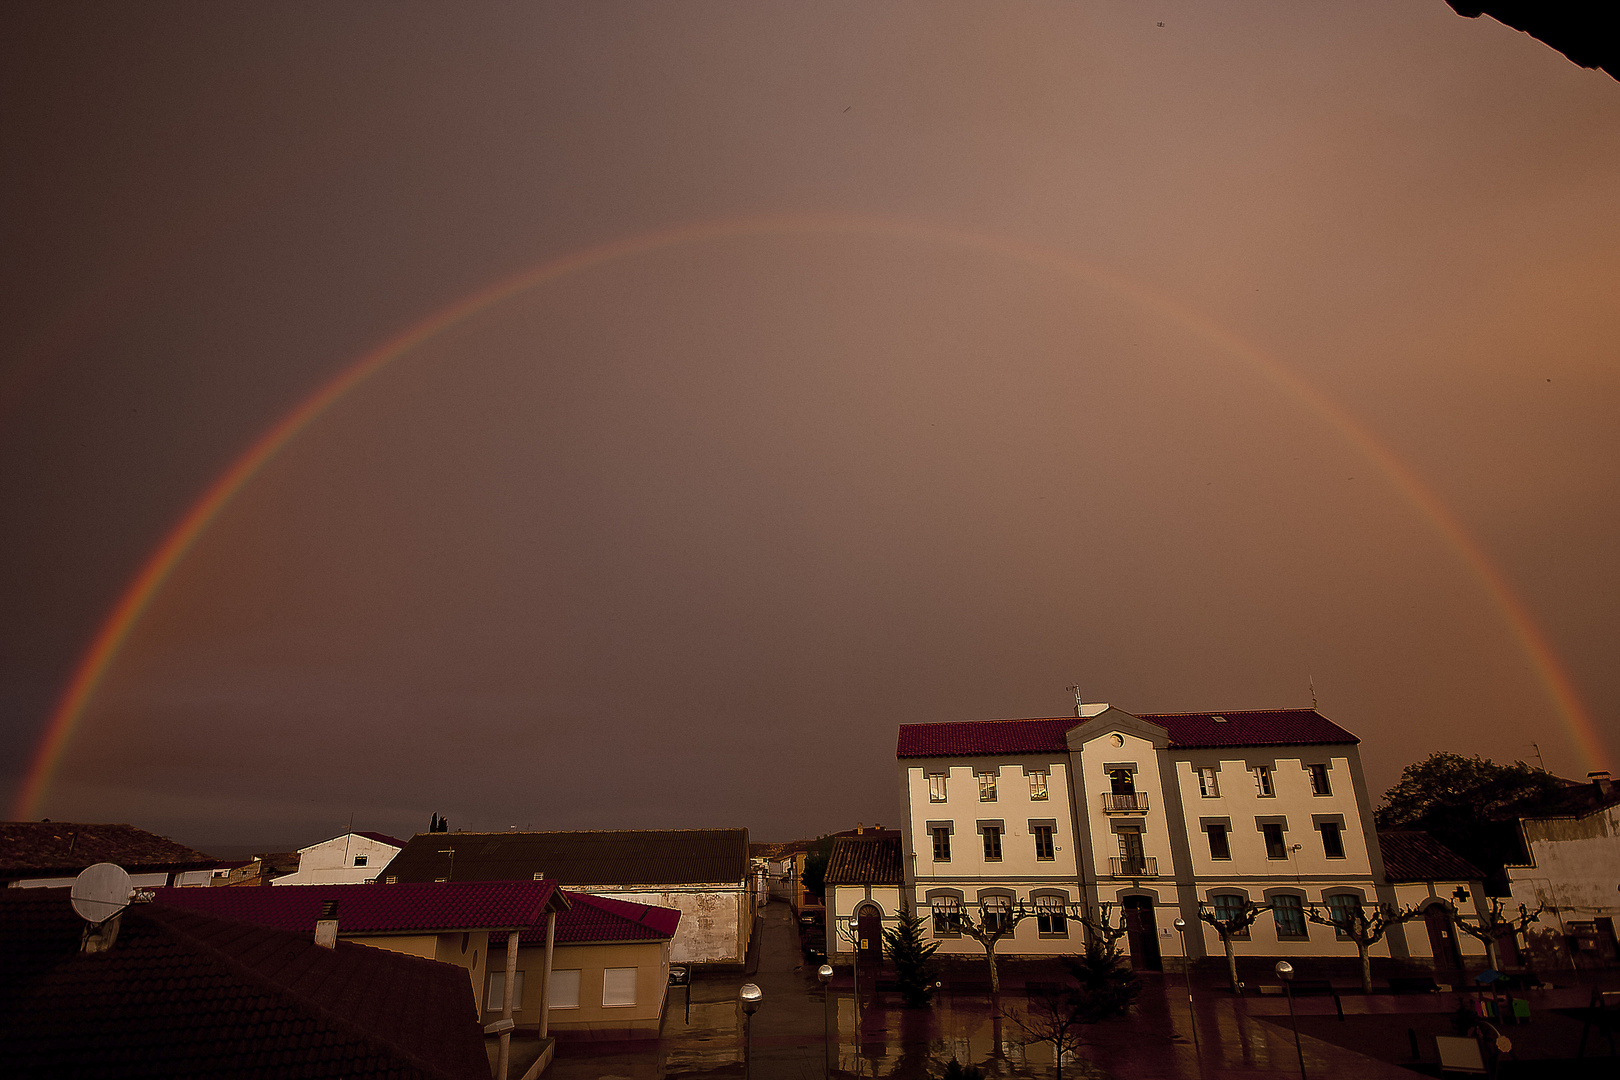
50	854
1427	877
705	874
865	893
351	859
181	993
1570	862
609	971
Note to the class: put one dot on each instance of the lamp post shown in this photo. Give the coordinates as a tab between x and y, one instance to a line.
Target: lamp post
825	974
1186	963
750	996
1285	972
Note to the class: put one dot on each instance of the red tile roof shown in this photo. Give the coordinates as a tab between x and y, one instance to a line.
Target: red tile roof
874	859
183	994
600	857
63	848
440	907
1410	855
593	919
1268	727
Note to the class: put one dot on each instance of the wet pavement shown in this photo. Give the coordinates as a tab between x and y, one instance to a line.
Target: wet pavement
1237	1037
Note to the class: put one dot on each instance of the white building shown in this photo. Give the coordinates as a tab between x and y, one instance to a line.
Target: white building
1571	863
351	859
1137	820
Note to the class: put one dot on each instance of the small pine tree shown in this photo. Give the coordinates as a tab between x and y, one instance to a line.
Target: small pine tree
955	1070
913	960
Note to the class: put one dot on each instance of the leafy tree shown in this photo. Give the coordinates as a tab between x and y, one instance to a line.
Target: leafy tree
988	927
913	959
1468	804
1232	927
1366	927
815	867
1059	1015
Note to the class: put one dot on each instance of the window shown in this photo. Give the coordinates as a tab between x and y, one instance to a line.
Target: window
565	988
619	986
997	912
942	843
1319	780
1332	841
1229	906
1275	847
992	843
1220	847
360	860
1342	910
1289	911
946	910
936	787
497	992
987	787
1208	786
1132	859
1262	781
1037	786
1043	841
1050	917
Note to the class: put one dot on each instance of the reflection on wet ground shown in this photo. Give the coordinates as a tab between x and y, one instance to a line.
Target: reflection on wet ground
1248	1037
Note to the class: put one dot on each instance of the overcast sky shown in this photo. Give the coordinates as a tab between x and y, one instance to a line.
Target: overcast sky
967	351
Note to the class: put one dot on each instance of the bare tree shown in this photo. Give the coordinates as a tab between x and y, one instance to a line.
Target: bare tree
1059	1015
1493	926
988	927
1101	928
1233	927
1366	927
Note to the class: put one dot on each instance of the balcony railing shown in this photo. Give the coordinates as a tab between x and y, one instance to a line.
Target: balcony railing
1146	866
1129	802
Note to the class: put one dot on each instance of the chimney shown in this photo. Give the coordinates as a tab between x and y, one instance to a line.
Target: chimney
326	925
1601	783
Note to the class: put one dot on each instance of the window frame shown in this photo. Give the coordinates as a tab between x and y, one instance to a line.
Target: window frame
991	835
1279	852
942	792
495	991
1241	898
941	836
1265	781
987	786
556	1000
1044	836
1327	902
1224	831
1297	907
607	974
941	905
1038	789
1319	772
1336	830
1051	913
1209	781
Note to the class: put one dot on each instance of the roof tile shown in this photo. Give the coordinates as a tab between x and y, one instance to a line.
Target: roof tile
1047	735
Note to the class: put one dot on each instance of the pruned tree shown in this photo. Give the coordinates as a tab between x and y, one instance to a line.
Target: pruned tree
1366	927
1491	927
913	959
1059	1015
1101	929
1231	925
988	928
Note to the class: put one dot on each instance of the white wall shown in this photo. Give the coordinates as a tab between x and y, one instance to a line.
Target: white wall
717	920
343	860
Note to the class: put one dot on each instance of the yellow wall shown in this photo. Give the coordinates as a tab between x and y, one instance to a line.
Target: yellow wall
650	958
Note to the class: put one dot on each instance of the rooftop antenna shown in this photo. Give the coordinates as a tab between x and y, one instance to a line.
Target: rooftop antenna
1078	702
100	894
1312	680
450	851
1537	749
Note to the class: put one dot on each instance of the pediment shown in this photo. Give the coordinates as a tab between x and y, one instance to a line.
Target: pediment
1116	721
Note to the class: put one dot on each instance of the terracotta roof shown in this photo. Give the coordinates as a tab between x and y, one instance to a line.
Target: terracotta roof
1044	735
874	859
619	857
381	838
592	919
63	848
378	909
1410	855
183	994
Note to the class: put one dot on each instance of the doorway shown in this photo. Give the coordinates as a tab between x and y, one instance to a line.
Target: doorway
1442	937
1142	933
869	934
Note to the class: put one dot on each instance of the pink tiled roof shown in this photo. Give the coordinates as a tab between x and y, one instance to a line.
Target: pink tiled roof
1262	727
592	918
438	907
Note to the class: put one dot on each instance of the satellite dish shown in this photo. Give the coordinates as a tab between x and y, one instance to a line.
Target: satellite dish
101	891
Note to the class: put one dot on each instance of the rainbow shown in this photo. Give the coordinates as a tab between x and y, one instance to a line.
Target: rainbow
120	622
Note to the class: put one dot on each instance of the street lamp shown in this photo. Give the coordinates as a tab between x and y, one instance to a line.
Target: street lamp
1186	963
750	996
1285	972
825	974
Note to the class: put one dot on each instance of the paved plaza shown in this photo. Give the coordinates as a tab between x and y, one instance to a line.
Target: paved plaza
1247	1037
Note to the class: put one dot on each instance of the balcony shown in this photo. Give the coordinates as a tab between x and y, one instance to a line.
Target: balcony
1129	802
1143	866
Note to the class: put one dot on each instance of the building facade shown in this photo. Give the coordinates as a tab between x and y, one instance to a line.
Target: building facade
351	859
1131	821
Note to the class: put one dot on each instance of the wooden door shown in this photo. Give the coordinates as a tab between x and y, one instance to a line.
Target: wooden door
1142	933
1442	936
869	931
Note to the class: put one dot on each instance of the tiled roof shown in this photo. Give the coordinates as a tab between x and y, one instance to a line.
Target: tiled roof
183	994
381	838
61	848
1255	727
965	738
620	857
378	909
874	859
592	919
1267	727
1410	855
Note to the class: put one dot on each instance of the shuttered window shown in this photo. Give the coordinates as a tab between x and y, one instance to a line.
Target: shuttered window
619	986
